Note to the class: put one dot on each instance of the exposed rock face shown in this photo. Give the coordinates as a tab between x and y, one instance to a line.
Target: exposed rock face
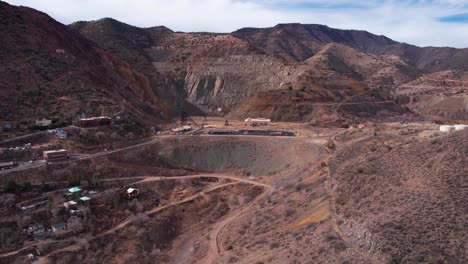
243	72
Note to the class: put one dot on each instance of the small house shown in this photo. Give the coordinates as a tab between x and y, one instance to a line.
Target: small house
43	122
70	205
132	192
61	133
85	201
27	209
37	229
55	155
74	190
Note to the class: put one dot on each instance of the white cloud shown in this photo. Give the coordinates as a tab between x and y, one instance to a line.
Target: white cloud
411	21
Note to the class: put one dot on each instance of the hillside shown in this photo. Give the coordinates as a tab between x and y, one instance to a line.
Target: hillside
403	199
299	42
51	71
213	71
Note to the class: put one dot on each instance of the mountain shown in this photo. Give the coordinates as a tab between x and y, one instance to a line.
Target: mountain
299	42
290	72
49	70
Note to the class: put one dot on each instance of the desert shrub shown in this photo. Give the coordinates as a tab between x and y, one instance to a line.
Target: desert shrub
360	170
340	200
274	245
289	212
230	247
26	186
290	88
323	164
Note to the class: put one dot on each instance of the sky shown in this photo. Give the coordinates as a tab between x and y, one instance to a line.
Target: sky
418	22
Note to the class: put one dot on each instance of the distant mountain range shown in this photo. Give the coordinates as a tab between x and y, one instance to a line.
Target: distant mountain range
290	72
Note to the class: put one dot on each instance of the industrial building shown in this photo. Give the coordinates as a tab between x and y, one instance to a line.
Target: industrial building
182	129
8	165
95	121
448	128
55	155
257	121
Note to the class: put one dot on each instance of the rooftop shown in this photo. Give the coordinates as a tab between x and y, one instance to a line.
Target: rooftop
55	151
85	198
74	189
94	118
130	190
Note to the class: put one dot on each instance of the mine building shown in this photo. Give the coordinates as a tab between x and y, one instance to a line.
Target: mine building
257	121
55	155
95	121
182	129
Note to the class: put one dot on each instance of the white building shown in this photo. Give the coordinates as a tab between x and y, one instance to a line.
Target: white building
43	122
257	121
448	128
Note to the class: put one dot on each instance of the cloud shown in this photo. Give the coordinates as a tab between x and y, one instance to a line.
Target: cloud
419	22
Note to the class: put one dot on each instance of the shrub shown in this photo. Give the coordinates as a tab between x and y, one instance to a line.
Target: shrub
274	245
230	247
9	186
290	88
360	170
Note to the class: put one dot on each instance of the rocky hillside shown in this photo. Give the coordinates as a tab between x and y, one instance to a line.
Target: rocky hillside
285	72
48	70
402	200
299	42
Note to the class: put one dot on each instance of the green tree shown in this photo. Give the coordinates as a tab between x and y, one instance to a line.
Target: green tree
9	186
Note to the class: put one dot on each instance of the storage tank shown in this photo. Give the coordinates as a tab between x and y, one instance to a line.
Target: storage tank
446	128
460	127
